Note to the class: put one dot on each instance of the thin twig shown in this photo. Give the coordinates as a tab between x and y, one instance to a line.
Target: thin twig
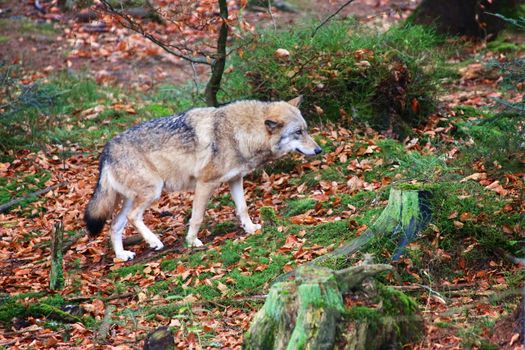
331	16
195	78
271	14
127	22
15	201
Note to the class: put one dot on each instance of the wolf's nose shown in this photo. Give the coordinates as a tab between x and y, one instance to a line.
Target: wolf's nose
318	150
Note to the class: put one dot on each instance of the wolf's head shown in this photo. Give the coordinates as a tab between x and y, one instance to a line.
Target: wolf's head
287	129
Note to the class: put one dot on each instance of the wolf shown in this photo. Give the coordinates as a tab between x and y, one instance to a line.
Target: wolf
196	150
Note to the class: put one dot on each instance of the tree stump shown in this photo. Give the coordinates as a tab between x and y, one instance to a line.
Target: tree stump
407	213
309	313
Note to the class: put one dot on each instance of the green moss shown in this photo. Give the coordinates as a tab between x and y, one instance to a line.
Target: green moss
246	284
268	216
13	306
127	270
396	302
310	178
336	262
168	265
224	227
49	109
207	292
505	42
156	110
359	200
332	174
391	149
484	212
168	310
230	253
29	27
416	187
10	308
196	259
161	286
329	233
218	202
298	206
363	313
283	165
495	139
22	185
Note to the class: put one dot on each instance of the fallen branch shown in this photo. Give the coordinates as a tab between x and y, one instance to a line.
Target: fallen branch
111	297
15	201
154	254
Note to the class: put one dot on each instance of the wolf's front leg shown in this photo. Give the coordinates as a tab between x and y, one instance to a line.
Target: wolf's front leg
237	192
202	195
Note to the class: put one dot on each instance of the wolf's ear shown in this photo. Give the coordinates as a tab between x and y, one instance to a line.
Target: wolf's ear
296	101
272	125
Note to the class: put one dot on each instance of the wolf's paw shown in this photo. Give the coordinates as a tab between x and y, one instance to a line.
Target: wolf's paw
194	243
251	227
156	245
125	255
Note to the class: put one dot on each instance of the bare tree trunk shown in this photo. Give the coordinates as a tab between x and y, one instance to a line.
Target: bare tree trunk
217	68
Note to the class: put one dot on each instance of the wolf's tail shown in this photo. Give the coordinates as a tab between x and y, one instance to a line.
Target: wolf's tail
101	205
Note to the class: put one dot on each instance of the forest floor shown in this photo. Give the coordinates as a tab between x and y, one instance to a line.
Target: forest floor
208	296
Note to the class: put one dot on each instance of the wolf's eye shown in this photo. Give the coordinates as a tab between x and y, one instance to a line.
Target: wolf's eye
299	132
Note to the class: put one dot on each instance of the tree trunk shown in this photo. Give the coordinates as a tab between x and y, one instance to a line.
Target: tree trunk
217	68
463	17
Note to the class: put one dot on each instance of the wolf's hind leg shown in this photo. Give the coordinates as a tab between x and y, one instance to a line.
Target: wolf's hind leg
141	203
203	193
237	192
117	228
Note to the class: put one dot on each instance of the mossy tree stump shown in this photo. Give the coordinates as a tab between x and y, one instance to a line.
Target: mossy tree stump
309	313
407	213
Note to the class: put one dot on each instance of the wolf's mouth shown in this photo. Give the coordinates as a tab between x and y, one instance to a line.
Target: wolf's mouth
299	151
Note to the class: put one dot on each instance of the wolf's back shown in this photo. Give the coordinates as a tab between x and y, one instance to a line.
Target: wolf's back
101	204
